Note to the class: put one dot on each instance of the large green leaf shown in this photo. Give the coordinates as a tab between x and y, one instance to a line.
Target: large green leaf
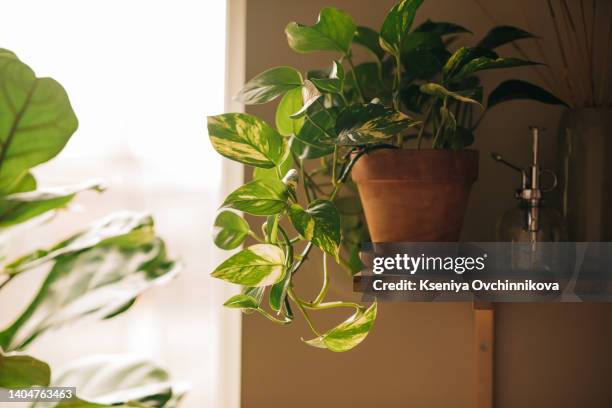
368	38
483	63
441	28
230	230
259	197
334	83
20	207
242	301
516	89
36	119
21	371
123	228
333	31
288	105
270	84
461	57
246	139
114	380
348	334
439	91
94	282
319	223
370	123
258	265
501	35
397	24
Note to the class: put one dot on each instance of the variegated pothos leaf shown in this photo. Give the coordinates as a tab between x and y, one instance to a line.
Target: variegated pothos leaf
247	139
258	265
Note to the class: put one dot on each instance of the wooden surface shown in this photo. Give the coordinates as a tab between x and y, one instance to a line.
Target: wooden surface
484	325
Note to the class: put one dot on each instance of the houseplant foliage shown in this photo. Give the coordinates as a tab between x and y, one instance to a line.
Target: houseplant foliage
96	273
414	88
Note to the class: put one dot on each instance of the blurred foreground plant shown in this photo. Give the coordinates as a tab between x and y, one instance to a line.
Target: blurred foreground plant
96	273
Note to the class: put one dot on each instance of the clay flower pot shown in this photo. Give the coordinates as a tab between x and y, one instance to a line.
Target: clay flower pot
415	195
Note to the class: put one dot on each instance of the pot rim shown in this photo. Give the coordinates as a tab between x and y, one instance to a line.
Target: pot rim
432	165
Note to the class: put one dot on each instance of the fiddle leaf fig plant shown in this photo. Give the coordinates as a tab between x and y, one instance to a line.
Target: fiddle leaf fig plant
415	88
98	272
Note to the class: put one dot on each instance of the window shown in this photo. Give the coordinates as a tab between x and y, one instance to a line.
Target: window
141	75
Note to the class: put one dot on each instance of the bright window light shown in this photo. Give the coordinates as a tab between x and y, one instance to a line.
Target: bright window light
141	75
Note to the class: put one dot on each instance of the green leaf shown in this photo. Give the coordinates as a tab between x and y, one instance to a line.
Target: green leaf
368	38
305	151
21	371
310	94
258	265
259	197
501	35
370	123
515	89
319	223
318	134
441	28
255	293
246	139
397	24
446	130
441	92
36	121
335	82
348	334
289	104
272	174
334	31
368	75
121	228
106	380
20	207
268	85
94	282
230	230
461	57
483	63
242	301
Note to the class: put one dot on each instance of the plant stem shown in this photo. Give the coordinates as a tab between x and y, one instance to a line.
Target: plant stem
304	180
334	165
272	318
424	125
331	305
256	237
321	296
7	280
398	81
349	58
300	306
315	124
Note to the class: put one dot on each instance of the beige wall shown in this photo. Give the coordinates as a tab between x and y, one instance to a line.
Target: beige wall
421	355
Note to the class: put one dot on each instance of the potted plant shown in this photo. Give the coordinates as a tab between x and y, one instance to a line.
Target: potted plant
360	118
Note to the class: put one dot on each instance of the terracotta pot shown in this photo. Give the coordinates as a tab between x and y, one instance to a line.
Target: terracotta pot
415	195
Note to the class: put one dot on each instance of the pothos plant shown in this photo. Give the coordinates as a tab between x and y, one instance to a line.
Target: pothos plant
96	273
414	89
